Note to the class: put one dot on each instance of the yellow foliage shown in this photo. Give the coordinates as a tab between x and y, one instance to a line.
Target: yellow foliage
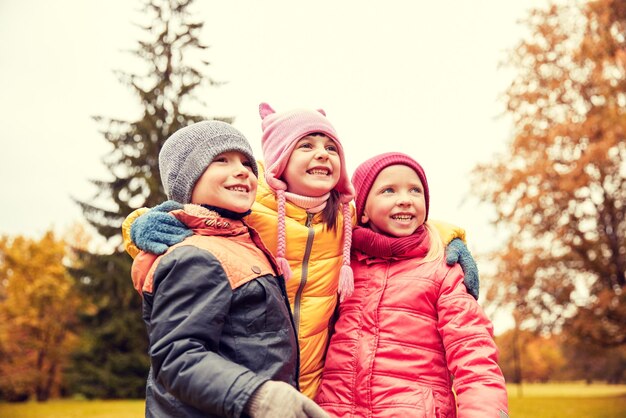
37	314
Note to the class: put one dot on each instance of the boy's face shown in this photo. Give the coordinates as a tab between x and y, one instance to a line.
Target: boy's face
228	183
314	166
395	205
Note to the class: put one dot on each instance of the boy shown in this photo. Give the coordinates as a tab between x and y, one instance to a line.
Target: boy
222	341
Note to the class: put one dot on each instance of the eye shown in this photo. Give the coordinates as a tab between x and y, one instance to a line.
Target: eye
305	145
331	148
417	190
387	190
220	159
247	163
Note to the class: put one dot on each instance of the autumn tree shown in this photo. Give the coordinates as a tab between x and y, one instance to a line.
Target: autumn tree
38	316
112	361
591	362
559	188
542	356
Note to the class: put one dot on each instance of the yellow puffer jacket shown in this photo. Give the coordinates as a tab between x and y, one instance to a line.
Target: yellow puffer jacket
314	255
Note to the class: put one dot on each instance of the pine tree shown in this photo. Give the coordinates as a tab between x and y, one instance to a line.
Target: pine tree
112	361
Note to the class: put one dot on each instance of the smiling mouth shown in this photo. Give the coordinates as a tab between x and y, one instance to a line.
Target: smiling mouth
319	172
402	217
240	189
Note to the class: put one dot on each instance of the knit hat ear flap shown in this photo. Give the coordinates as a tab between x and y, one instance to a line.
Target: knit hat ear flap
282	237
346	276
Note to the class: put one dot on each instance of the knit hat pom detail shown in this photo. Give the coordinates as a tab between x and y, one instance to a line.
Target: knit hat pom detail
346	283
283	264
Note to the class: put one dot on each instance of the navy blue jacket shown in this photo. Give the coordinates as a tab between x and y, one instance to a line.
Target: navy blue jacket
218	319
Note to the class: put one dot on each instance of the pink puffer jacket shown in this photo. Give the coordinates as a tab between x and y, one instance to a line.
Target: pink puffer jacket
408	334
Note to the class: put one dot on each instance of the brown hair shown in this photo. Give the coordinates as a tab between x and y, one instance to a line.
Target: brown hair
329	213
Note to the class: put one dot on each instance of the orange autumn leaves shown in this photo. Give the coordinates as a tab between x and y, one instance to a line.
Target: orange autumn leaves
560	188
38	310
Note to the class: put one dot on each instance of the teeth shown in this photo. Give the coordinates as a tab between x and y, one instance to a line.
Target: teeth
238	189
318	172
403	217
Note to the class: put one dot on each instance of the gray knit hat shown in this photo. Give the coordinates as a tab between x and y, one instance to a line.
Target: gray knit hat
187	153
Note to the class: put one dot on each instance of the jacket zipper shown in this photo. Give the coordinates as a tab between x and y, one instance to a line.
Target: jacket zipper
370	367
305	271
283	288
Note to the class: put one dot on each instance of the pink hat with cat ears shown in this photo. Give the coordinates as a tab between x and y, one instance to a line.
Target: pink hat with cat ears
281	132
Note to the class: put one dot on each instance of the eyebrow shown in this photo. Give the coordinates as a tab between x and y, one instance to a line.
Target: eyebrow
387	185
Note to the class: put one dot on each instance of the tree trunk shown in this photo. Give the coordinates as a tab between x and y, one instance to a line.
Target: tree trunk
517	361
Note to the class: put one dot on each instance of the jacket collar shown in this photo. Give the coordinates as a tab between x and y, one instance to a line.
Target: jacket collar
203	221
267	197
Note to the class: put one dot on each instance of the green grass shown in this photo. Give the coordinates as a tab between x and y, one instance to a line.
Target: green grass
74	409
569	389
548	407
558	400
552	400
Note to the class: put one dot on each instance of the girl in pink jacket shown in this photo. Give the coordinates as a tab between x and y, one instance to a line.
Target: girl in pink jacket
410	332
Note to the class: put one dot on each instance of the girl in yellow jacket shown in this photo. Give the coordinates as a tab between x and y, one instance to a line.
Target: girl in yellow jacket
303	215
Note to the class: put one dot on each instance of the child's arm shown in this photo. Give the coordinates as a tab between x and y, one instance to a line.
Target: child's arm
447	231
129	245
153	230
471	353
457	252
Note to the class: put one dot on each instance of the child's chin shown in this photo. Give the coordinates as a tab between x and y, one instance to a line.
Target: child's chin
402	232
238	209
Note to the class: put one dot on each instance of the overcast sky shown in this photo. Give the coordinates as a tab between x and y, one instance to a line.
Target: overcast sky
421	77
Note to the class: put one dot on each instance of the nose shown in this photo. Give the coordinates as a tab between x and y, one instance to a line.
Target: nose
403	199
241	170
321	153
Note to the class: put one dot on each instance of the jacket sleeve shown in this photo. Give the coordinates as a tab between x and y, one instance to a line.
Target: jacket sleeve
190	306
471	353
129	246
447	231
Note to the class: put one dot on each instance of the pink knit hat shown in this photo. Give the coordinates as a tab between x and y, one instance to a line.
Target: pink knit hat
281	132
365	175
